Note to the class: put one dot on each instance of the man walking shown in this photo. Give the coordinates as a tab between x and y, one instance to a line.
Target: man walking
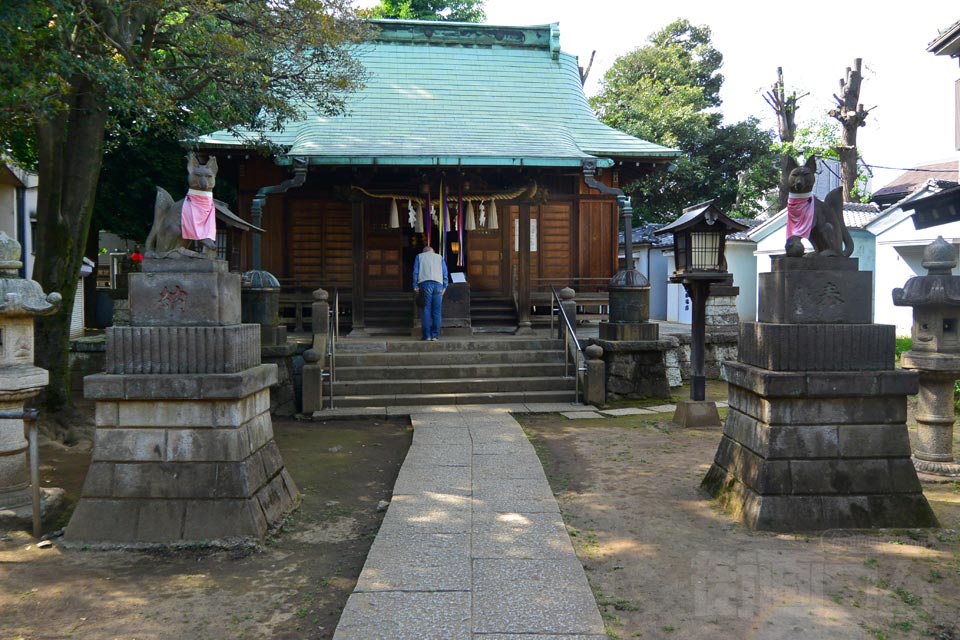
430	273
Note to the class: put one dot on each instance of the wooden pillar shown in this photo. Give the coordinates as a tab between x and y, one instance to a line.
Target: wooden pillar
359	269
523	275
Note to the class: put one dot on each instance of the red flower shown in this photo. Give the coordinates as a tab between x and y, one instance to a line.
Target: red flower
136	256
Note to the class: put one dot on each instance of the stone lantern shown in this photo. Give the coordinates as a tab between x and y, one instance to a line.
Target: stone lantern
935	354
20	380
699	238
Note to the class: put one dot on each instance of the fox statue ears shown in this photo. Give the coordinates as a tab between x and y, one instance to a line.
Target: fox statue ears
811	164
193	163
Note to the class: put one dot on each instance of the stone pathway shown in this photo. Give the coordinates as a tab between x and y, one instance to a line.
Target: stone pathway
473	546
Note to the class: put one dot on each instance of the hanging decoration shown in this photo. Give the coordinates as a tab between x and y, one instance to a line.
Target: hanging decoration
430	219
440	214
469	222
411	215
418	227
394	215
460	227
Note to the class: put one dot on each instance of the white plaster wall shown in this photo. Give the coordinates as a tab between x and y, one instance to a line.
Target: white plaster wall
899	256
742	263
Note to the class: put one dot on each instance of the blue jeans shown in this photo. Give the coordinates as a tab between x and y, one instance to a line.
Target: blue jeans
430	315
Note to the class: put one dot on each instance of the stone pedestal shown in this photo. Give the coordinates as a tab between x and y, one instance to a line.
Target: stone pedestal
815	436
696	414
635	369
454	315
935	354
22	300
260	304
184	450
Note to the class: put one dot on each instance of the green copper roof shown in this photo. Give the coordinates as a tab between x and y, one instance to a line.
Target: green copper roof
461	94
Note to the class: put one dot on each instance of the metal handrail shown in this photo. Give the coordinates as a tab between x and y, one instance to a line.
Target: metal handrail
569	334
333	334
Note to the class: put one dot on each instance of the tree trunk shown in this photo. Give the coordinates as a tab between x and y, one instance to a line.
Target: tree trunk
70	149
851	115
786	109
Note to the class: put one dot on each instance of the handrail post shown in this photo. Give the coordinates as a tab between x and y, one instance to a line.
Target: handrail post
30	421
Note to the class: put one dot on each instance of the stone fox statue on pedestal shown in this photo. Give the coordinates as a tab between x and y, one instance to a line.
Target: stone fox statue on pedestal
193	218
820	221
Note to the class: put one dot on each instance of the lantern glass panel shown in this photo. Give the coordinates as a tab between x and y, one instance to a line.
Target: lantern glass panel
705	250
680	252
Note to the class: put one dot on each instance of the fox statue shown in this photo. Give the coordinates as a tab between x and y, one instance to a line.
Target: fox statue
820	221
193	218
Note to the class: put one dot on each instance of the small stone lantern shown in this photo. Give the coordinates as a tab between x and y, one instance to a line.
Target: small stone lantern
20	302
699	237
935	354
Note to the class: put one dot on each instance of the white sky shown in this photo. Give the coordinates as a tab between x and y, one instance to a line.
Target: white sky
912	90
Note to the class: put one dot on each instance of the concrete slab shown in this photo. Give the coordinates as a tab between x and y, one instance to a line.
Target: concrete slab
406	616
473	544
581	415
446	480
520	535
557	407
533	596
627	411
349	412
400	561
663	408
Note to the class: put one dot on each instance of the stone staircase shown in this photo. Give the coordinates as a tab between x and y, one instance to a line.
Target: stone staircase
492	314
378	373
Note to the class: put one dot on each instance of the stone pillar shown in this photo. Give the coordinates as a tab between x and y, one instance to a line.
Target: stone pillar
594	390
315	358
20	380
569	306
933	454
815	436
183	450
935	354
633	352
260	304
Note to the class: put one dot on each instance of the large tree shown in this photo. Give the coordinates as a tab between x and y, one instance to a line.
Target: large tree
454	10
668	92
73	70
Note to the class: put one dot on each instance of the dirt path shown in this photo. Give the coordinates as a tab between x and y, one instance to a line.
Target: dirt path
664	563
292	588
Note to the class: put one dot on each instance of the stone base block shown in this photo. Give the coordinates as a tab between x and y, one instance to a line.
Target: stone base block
696	414
937	471
813	347
172	521
173	467
184	292
629	331
818	450
635	369
52	501
789	513
174	350
815	291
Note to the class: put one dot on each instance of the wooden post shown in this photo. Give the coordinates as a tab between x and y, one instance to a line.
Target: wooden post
523	278
359	270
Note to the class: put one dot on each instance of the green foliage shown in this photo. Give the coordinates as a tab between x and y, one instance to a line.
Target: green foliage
903	344
453	10
183	66
821	138
668	92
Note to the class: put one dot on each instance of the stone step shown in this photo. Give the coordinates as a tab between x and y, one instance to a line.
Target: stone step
436	386
433	358
508	397
444	345
449	371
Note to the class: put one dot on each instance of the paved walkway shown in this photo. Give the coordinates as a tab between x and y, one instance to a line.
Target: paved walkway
473	546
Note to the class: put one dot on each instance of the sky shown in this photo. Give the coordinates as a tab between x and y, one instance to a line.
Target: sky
910	91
